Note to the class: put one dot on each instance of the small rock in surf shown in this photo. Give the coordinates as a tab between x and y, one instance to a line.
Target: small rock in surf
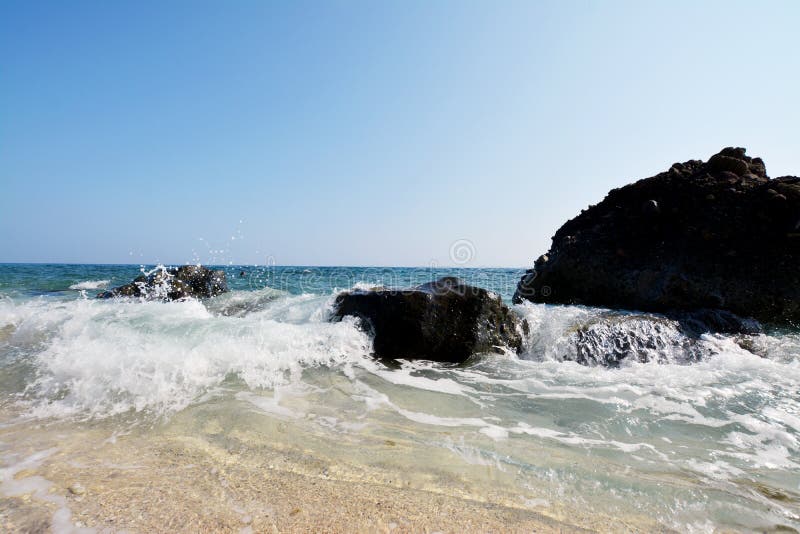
188	281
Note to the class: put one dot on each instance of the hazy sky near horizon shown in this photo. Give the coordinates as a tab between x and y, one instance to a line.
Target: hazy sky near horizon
366	133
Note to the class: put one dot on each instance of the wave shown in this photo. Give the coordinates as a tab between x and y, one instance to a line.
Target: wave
592	336
90	284
96	359
92	358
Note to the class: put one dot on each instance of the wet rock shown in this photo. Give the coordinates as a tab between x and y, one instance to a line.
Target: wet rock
698	322
188	281
725	237
611	338
445	320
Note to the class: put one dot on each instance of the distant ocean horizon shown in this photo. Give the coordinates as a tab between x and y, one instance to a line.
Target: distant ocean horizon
291	278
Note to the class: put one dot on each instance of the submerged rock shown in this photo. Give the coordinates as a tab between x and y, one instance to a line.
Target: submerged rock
676	338
445	320
173	284
719	235
611	339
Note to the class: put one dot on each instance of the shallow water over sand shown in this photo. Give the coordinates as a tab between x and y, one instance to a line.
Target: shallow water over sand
251	411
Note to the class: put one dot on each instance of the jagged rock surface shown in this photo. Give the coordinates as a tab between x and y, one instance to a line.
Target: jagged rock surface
719	234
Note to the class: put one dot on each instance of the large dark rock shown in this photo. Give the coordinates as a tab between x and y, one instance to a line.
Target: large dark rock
445	320
173	284
719	235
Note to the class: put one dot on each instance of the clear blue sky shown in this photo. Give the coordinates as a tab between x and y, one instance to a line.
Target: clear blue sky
366	133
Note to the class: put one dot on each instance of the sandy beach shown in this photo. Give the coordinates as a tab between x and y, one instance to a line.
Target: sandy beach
71	477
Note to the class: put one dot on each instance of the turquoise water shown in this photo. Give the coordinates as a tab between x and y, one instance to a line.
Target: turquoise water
61	280
693	445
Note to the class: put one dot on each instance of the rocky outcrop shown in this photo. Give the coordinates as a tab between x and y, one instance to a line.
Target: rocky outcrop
719	234
445	320
173	284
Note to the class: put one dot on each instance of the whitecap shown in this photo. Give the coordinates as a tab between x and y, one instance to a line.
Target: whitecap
90	284
100	358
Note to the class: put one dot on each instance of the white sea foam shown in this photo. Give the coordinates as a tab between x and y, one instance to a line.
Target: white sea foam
409	375
100	358
364	286
90	284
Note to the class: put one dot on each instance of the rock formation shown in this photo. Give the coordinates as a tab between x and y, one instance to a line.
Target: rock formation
719	235
173	284
445	320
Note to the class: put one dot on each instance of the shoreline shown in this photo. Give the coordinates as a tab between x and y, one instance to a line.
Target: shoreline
172	480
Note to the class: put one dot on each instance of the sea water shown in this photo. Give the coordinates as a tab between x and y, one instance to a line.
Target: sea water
703	436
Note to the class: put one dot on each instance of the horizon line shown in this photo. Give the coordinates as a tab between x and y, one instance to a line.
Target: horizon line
166	264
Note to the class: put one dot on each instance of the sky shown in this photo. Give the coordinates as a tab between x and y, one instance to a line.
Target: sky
399	133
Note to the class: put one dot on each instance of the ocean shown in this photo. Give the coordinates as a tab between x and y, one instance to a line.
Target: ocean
175	416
